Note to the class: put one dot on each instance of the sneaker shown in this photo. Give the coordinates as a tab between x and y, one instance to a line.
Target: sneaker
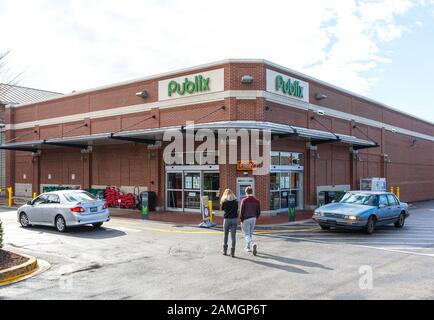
255	249
247	249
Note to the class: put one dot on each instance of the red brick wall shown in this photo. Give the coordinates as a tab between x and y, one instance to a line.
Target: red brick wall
411	164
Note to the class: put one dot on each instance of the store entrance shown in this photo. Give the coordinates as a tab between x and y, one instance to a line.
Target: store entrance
184	189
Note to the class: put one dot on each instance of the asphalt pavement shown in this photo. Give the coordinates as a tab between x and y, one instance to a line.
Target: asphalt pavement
134	259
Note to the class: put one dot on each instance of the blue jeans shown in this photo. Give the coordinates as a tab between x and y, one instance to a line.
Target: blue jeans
230	225
248	226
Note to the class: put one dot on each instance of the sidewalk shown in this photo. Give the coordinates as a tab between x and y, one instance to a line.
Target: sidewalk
185	218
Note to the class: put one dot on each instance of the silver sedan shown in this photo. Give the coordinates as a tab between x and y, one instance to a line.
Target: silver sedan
63	209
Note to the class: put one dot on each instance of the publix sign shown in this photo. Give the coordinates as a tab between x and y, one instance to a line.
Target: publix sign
191	85
199	84
287	86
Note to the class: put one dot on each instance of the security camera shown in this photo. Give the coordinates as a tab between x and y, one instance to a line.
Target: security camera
142	94
320	96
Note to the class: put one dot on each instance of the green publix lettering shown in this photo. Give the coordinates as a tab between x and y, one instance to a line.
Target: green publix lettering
289	87
200	84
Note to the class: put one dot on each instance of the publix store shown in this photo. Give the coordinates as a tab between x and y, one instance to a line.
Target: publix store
311	137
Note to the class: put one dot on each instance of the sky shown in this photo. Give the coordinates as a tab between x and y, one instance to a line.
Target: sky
382	49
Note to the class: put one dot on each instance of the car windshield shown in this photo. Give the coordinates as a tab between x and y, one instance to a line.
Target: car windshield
362	199
82	196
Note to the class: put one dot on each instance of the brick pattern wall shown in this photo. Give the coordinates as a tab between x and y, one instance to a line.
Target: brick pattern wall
409	163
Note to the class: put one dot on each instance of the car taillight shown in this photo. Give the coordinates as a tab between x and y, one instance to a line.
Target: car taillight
77	209
105	206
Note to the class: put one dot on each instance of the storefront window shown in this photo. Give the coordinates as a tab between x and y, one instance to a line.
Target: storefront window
275	200
192	181
185	188
197	158
275	158
274	181
294	180
284	185
297	159
174	181
285	159
192	199
174	190
284	199
211	186
279	158
174	199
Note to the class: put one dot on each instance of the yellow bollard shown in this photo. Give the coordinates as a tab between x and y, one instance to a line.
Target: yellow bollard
210	210
35	195
392	190
398	193
10	197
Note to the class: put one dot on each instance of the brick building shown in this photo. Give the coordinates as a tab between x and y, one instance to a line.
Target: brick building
323	137
13	95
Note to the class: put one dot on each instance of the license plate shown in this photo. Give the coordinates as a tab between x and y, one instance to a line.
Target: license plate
94	209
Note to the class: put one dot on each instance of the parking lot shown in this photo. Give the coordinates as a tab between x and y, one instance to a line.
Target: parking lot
134	259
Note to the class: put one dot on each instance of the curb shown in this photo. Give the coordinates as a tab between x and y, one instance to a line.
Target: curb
20	272
13	208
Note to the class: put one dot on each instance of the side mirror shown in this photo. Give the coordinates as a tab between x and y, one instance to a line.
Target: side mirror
30	203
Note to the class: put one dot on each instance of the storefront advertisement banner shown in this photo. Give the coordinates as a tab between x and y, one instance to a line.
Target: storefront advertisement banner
205	208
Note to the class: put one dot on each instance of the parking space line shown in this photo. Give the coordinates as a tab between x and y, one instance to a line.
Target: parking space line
286	231
182	231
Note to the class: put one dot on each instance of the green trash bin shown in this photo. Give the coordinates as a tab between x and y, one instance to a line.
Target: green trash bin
144	202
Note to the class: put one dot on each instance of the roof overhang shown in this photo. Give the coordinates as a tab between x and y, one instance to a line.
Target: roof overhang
150	136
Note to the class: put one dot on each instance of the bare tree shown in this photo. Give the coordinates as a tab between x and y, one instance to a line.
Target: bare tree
6	75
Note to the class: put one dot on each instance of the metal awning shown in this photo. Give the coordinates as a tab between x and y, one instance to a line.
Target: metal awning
284	130
149	136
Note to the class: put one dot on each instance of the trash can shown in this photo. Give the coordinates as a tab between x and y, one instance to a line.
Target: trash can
148	203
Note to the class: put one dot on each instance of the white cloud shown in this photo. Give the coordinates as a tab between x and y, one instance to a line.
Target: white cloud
78	44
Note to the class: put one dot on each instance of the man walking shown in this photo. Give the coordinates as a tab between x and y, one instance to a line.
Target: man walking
250	210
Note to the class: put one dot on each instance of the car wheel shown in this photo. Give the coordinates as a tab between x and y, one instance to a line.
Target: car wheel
60	224
98	225
324	227
24	220
370	226
401	221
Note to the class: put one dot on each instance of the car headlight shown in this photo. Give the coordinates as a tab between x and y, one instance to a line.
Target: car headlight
353	218
319	213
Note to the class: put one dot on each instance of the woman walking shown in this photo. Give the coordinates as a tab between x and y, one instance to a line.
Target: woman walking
229	205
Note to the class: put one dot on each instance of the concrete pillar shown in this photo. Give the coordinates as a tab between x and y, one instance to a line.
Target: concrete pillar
384	158
10	155
36	182
86	157
353	168
310	181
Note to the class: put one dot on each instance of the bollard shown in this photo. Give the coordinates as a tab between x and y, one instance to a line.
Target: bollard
398	193
392	190
10	197
210	210
35	195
